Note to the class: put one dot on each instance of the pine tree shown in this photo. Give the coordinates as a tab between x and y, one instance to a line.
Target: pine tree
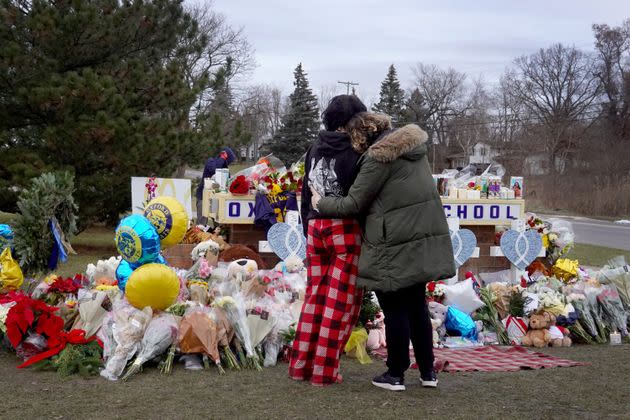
416	110
99	87
300	124
392	97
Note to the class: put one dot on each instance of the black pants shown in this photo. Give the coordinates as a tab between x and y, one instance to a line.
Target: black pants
407	316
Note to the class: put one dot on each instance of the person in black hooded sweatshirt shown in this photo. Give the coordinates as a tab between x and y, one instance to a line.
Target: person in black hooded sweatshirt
332	301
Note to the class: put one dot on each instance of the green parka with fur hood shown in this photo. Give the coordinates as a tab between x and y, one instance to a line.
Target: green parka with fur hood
406	239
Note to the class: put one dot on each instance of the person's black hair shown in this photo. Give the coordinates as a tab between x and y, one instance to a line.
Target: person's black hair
340	110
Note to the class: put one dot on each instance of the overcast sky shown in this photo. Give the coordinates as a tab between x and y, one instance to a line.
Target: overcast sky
338	40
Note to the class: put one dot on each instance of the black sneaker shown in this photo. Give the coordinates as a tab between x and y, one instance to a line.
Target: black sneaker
429	380
386	381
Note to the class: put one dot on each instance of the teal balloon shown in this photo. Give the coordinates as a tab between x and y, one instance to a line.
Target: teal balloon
124	270
137	240
6	237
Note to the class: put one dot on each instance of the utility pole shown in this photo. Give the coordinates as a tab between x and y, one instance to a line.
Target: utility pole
348	84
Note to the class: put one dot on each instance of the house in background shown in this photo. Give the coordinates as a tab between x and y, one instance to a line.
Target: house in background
482	153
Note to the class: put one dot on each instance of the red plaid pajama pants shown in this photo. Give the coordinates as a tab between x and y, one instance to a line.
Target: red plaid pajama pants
332	300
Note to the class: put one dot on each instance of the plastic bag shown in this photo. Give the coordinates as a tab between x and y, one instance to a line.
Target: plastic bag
462	323
11	277
355	347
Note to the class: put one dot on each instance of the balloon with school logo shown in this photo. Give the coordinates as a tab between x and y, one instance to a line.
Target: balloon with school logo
169	218
137	240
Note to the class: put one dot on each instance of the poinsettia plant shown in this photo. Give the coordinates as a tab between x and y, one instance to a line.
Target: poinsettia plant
27	314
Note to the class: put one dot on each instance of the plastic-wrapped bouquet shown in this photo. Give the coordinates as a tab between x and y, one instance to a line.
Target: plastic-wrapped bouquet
612	310
127	331
158	337
236	314
198	335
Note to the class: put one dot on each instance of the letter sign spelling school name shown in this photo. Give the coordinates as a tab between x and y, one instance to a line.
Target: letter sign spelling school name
483	213
239	209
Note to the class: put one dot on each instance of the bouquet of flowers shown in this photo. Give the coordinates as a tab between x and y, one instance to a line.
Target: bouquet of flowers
54	289
127	331
435	291
276	183
490	316
198	334
235	311
158	337
612	310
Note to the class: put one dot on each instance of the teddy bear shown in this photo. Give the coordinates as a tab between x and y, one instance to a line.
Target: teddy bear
435	324
209	250
559	335
293	264
244	274
538	334
438	316
376	332
239	252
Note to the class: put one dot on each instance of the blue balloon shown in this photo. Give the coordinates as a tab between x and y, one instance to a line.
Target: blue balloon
6	237
124	270
461	322
137	240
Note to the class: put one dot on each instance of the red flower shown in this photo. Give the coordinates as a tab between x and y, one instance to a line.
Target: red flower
240	185
64	286
431	287
27	313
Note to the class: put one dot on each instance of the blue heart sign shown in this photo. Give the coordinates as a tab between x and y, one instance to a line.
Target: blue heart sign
521	248
464	244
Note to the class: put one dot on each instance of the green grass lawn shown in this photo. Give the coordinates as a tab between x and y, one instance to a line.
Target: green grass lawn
595	256
91	245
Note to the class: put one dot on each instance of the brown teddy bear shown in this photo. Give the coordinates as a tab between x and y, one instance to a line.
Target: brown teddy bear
538	334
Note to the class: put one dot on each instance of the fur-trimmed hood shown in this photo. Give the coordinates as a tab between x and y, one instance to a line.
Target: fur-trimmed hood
373	133
405	141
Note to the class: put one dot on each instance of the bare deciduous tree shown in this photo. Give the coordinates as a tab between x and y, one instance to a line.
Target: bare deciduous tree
261	108
556	90
612	46
442	91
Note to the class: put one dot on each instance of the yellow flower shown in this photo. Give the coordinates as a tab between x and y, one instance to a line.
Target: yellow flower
105	287
545	241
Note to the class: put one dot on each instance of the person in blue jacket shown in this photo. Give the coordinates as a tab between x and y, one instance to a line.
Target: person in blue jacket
225	158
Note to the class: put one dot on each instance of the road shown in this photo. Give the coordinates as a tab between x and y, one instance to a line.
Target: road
598	232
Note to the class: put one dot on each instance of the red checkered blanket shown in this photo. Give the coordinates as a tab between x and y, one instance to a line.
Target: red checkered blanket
490	359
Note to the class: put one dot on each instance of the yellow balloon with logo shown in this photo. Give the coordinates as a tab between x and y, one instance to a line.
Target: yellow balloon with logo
169	218
153	285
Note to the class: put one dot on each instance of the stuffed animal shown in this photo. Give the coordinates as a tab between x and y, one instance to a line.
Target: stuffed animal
438	312
376	332
239	252
242	270
292	264
244	274
209	250
559	335
538	334
435	324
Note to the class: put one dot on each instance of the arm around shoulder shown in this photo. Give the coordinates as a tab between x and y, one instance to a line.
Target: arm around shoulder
370	179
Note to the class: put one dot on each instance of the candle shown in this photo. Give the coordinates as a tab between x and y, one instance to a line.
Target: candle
615	338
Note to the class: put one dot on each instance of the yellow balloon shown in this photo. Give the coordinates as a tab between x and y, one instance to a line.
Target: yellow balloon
153	285
169	218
